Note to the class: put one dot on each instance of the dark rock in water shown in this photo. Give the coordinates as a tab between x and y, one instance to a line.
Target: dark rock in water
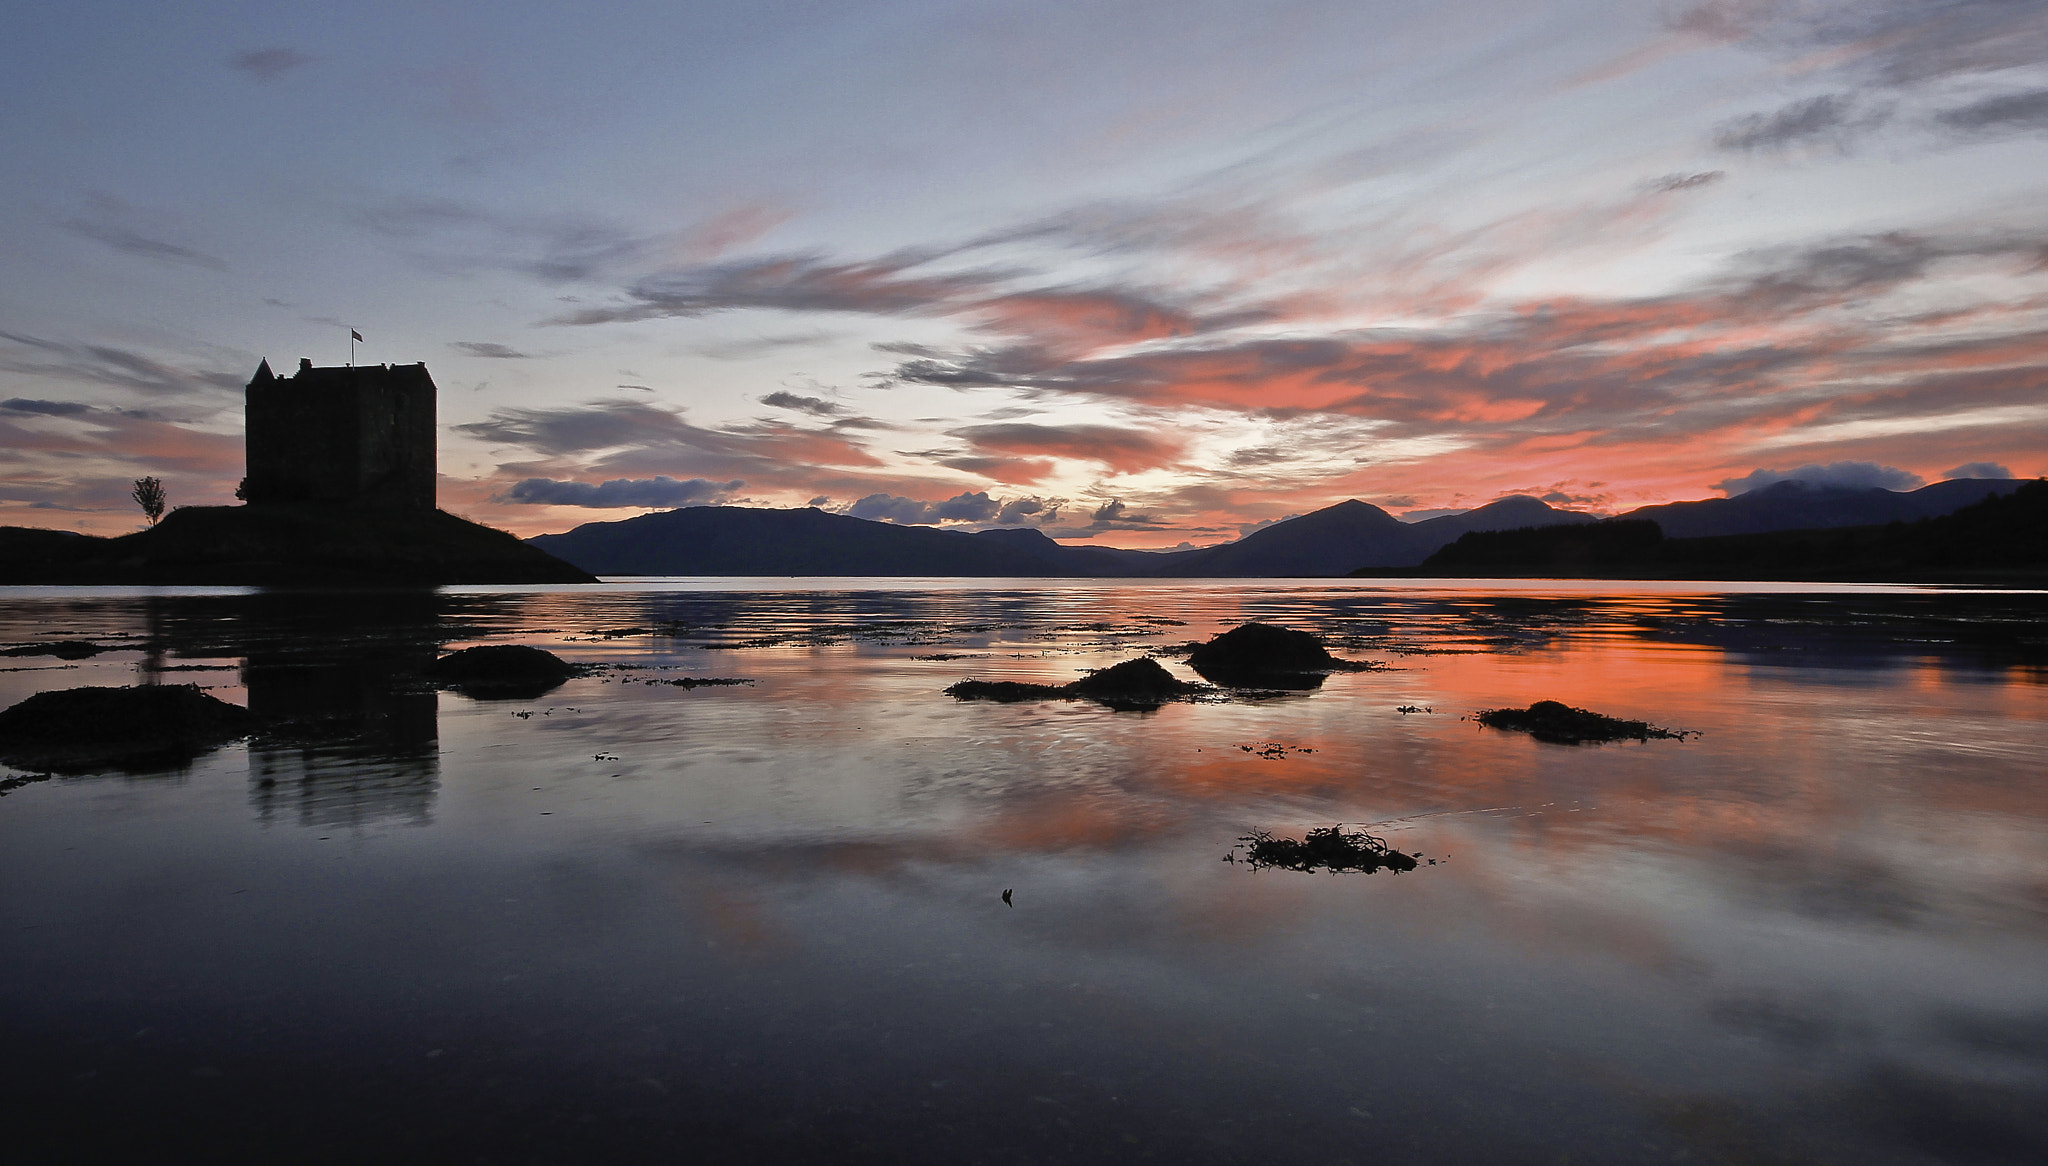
501	671
1258	655
1328	848
1561	724
1006	691
1142	680
1133	684
61	649
90	730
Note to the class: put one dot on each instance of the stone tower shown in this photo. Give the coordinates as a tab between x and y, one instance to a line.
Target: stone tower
354	437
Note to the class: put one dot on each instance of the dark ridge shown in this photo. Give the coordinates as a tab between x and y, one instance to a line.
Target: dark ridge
2003	537
741	540
287	546
1562	549
1797	505
90	730
1561	724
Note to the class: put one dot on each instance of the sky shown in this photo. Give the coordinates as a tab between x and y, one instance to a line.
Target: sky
1134	272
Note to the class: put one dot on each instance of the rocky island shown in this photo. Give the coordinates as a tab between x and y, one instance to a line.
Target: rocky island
340	492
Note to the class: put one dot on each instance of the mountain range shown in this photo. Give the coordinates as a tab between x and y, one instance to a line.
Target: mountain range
2002	539
733	540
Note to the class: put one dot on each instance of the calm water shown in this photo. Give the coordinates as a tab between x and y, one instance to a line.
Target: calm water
633	921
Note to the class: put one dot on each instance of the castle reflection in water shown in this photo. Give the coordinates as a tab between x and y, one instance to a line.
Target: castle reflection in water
362	748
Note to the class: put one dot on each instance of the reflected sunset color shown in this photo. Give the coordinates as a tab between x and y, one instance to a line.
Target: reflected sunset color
639	919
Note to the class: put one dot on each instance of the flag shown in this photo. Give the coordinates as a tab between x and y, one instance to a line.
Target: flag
354	335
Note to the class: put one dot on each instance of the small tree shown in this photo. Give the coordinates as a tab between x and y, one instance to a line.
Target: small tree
149	494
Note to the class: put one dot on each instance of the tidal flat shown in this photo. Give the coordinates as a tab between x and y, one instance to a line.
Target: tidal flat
737	892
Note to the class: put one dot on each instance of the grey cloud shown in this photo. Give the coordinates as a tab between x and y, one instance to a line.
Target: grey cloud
467	237
1857	475
1977	470
598	425
1018	511
1111	515
816	406
1830	119
490	350
989	466
1889	42
637	438
101	364
269	64
1912	41
1675	182
904	348
46	408
1115	515
974	507
129	241
1122	449
405	216
761	345
2013	111
966	507
619	492
1261	455
796	283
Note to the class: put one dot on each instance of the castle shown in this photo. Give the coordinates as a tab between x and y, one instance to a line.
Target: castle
361	438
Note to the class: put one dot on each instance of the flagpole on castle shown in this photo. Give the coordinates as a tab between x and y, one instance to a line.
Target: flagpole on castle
353	336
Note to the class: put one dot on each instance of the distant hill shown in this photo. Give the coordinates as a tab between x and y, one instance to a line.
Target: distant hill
1799	506
1333	541
743	540
2004	536
1338	539
740	540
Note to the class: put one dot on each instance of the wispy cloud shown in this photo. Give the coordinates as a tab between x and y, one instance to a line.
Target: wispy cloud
1830	119
110	366
816	406
46	408
618	493
2011	112
1886	42
125	228
489	350
1121	450
269	64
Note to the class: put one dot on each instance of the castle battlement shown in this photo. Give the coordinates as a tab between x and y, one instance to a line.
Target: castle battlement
341	436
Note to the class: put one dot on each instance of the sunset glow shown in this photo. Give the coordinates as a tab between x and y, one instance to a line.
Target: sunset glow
1140	273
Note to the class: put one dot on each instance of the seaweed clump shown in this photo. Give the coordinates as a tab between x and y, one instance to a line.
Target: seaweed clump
90	730
1134	684
1561	724
501	671
1328	848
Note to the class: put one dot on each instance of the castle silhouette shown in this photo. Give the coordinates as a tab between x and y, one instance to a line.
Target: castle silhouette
356	437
